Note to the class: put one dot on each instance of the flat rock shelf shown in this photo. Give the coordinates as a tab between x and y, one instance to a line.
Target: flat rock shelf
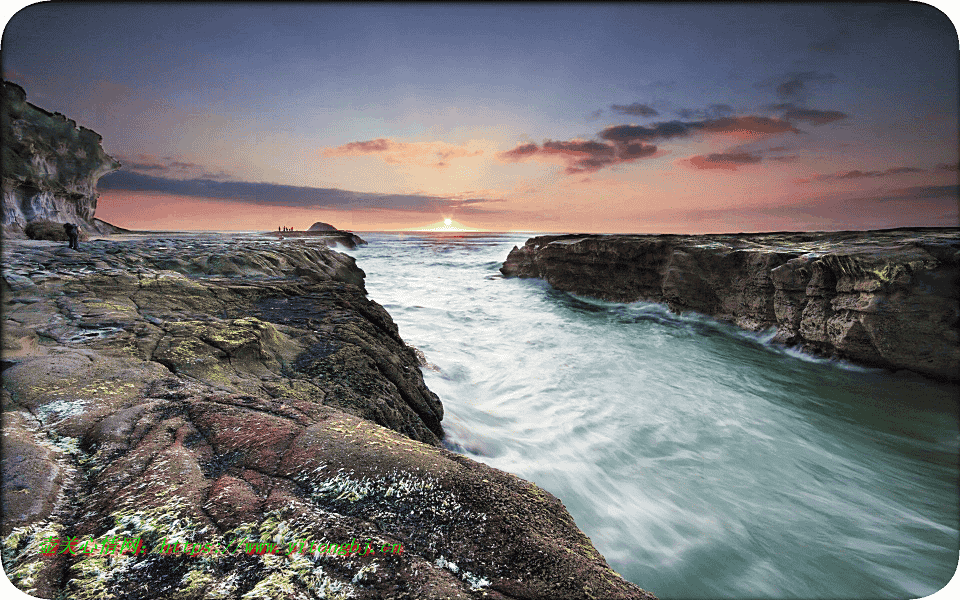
205	390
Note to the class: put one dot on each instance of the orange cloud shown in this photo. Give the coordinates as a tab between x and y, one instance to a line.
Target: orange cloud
748	126
432	154
730	161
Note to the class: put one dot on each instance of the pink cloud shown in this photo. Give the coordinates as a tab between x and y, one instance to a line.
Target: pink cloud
432	154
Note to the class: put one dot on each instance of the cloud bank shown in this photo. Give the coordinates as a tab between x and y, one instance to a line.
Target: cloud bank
287	195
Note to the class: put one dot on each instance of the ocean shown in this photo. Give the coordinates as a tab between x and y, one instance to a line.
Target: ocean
701	460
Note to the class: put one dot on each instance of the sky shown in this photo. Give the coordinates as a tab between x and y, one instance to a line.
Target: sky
554	117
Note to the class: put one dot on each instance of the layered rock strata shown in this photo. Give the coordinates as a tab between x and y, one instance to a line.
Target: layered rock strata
204	391
50	167
885	298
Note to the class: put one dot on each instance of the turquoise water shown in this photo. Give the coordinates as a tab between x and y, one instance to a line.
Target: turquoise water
700	460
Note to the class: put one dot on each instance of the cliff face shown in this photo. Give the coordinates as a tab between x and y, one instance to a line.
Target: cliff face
884	298
50	166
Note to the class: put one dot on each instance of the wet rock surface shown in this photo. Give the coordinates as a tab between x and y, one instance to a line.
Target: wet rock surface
884	298
234	391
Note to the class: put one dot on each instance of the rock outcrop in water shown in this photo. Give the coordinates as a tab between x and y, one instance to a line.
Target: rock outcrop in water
245	394
331	237
319	226
884	298
50	167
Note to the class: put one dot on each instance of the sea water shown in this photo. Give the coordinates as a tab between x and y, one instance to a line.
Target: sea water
701	460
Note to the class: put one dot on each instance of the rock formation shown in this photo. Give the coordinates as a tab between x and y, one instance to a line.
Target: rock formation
331	237
884	298
50	167
318	226
171	393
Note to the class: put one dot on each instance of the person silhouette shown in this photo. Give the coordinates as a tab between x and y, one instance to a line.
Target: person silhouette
73	233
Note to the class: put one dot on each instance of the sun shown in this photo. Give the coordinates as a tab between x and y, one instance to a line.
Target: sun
448	222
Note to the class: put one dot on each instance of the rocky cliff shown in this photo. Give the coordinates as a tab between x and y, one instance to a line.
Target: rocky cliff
50	167
885	298
226	411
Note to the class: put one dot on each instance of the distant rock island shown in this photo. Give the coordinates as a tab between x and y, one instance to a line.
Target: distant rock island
327	233
885	298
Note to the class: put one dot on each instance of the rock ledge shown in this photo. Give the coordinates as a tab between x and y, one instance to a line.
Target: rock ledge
884	298
197	391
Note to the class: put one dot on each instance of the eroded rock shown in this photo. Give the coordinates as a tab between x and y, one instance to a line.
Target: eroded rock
883	298
227	393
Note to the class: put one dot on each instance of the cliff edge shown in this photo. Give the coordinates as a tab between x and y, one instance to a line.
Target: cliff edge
884	298
198	417
50	167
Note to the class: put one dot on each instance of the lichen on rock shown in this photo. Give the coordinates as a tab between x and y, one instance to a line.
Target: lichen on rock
149	396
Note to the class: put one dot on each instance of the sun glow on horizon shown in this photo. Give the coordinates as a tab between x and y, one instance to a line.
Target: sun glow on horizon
447	224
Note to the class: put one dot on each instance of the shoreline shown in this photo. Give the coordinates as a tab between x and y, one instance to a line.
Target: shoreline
883	298
197	388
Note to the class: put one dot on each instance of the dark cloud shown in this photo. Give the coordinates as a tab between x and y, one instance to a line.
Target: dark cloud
168	167
583	156
898	170
748	125
282	195
637	109
658	131
714	111
791	112
921	192
520	152
796	86
858	174
594	148
947	167
625	143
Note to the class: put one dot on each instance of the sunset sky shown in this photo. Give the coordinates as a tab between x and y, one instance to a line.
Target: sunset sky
534	117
